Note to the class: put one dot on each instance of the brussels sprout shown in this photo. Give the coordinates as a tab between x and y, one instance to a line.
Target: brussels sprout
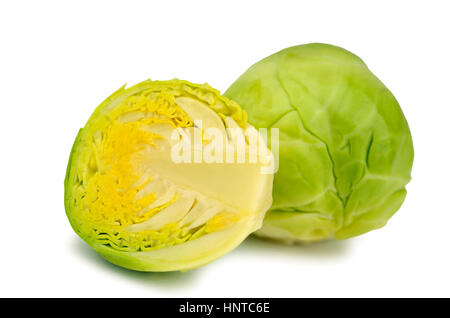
128	198
346	151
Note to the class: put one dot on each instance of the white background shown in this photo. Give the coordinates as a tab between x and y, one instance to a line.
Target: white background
59	60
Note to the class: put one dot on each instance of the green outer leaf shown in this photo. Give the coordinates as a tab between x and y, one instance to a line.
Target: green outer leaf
346	151
67	178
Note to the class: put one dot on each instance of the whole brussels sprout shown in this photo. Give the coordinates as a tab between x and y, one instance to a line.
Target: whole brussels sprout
346	151
128	198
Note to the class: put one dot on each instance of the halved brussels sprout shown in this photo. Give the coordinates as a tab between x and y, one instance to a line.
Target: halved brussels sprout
345	148
140	206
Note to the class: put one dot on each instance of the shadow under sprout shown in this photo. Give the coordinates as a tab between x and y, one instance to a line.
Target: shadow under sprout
253	245
161	279
323	250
